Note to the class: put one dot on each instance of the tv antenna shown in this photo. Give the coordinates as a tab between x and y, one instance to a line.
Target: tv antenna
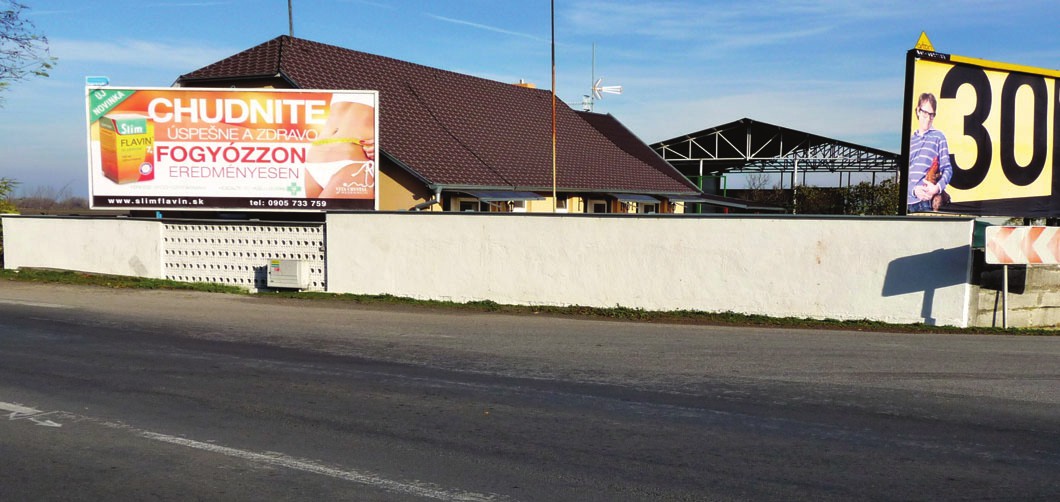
597	91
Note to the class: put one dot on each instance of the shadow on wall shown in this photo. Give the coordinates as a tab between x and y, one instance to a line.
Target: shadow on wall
261	277
927	272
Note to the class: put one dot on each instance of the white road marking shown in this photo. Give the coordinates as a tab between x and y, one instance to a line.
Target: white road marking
278	459
415	488
16	409
35	304
19	412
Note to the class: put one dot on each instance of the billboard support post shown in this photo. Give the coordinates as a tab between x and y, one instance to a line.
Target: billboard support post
1004	298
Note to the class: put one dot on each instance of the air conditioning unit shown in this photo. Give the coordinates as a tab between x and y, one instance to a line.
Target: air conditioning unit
288	274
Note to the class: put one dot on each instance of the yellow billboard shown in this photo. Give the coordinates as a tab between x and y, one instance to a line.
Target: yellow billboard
981	137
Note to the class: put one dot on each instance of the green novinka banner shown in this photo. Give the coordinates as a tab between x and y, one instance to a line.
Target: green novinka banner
101	101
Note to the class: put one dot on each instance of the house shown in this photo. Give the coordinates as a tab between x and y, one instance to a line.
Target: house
454	142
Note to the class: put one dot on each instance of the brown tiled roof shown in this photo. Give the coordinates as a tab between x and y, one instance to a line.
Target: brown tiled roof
623	138
461	131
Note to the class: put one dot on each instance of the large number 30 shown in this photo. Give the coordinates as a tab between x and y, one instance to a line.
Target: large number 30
1021	175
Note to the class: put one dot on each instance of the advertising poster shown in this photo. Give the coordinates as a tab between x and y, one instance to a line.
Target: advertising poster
245	149
981	137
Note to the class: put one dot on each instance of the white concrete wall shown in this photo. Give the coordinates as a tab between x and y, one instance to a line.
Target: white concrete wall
900	270
103	246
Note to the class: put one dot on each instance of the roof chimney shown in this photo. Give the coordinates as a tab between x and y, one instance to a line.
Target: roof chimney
525	84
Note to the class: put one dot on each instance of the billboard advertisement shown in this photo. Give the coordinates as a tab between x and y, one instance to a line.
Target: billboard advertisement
232	149
981	137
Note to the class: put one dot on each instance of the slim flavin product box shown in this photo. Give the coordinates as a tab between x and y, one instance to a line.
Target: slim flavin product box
126	143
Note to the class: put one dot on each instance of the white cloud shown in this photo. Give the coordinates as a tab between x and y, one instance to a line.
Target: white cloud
35	12
485	27
736	24
860	112
185	4
767	23
379	5
179	57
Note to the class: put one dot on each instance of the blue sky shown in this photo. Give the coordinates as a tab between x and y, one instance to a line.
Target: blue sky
834	68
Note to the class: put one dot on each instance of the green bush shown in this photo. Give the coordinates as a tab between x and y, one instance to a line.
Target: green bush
864	198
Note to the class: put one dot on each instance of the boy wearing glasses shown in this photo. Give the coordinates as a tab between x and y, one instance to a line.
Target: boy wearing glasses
929	161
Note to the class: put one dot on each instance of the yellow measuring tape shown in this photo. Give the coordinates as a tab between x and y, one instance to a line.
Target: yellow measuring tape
328	141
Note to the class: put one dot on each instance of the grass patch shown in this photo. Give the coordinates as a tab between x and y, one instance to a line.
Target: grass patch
691	317
110	281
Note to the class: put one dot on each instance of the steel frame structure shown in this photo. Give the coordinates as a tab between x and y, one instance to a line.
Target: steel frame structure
747	147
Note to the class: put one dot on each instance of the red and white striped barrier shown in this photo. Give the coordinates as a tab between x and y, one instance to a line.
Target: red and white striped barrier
1023	245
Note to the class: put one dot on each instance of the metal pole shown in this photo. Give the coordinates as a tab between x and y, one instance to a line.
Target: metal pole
699	207
724	190
1004	298
592	83
290	18
553	14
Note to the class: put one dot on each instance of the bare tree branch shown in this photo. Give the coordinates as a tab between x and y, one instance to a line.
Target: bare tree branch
23	52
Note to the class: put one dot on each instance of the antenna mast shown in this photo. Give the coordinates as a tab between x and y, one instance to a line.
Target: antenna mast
596	90
290	18
592	83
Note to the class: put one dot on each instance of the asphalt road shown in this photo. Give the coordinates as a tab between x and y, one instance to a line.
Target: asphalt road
158	395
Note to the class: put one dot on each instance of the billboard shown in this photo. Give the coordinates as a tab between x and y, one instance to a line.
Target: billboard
981	137
241	149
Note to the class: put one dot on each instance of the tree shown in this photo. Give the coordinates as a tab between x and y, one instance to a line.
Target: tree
7	187
6	206
756	183
23	52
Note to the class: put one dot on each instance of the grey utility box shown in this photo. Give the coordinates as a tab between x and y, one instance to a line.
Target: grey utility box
288	274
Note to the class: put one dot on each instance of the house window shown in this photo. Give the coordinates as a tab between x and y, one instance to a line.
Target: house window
466	205
518	206
597	206
644	207
561	205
